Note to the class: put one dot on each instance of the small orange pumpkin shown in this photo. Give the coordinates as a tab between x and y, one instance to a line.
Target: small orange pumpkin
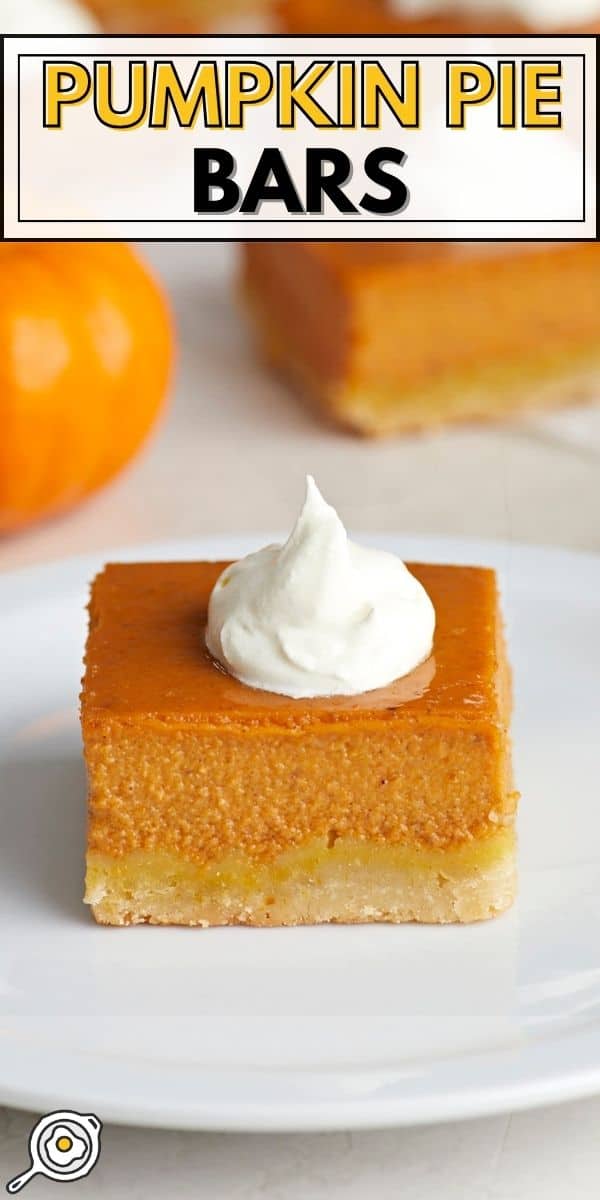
86	348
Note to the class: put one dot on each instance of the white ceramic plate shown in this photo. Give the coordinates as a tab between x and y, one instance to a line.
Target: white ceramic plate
304	1028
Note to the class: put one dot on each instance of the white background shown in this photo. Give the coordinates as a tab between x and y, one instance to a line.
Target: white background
230	457
512	180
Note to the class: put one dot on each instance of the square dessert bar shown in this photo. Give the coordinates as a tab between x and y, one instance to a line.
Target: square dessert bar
384	337
212	803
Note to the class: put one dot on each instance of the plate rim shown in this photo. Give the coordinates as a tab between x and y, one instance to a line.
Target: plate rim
526	1084
492	1082
167	548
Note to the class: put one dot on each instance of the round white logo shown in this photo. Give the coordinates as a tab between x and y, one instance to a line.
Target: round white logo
63	1146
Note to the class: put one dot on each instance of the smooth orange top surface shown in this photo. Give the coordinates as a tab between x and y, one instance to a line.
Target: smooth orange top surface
146	655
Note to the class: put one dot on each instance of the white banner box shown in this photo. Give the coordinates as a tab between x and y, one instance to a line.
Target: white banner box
193	138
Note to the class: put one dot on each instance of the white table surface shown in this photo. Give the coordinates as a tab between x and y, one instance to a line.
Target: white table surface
231	456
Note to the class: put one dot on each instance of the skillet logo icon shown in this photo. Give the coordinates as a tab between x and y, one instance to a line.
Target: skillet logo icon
63	1146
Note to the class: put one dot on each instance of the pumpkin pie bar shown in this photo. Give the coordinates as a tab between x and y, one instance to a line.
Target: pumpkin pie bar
390	337
214	803
384	337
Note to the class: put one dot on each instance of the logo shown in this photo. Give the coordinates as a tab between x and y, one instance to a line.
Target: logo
63	1146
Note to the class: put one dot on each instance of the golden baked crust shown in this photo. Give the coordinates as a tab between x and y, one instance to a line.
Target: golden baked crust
340	882
187	765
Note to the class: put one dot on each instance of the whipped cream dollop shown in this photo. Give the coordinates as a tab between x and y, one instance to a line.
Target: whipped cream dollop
319	615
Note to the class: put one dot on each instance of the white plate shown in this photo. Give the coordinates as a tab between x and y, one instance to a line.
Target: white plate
307	1028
